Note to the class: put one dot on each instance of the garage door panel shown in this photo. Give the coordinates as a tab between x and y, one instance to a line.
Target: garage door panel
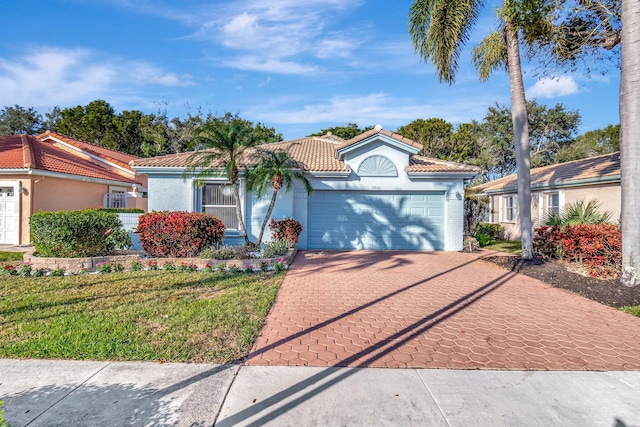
375	220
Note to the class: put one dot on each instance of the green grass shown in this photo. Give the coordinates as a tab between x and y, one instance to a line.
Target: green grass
635	310
11	256
507	246
147	315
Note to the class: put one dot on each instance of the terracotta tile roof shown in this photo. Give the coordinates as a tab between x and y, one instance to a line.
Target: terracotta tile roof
378	130
27	152
426	164
317	154
597	167
116	157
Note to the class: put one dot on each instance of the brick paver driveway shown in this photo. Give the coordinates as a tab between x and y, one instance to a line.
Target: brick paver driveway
436	310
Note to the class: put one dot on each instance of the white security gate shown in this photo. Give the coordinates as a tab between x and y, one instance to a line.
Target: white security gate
9	212
376	220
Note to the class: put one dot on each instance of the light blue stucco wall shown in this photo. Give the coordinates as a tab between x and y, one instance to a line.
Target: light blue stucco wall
453	189
171	192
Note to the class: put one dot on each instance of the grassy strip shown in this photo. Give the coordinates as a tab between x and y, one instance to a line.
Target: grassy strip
11	256
635	310
506	246
148	315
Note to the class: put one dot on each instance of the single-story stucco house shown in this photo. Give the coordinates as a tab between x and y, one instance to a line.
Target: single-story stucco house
52	172
370	192
552	188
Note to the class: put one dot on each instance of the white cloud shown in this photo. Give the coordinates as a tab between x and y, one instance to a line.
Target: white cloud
254	63
553	87
271	32
53	76
366	109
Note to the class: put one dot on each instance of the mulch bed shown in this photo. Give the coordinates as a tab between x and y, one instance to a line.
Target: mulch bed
561	274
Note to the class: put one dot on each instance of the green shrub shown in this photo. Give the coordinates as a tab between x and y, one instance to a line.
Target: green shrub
73	234
275	248
222	253
579	213
179	234
491	230
136	266
482	239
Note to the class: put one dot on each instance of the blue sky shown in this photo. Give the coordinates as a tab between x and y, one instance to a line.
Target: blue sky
296	65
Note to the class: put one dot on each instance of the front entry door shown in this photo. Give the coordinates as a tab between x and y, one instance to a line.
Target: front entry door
9	212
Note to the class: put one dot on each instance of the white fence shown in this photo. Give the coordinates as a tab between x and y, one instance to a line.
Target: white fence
130	223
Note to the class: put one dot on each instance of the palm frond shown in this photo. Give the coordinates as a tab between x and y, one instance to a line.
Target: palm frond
439	30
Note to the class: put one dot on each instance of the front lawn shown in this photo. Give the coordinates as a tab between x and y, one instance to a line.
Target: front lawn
11	256
145	315
635	310
506	246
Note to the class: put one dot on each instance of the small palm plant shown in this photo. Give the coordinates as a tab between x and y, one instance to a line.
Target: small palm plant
579	213
219	146
274	169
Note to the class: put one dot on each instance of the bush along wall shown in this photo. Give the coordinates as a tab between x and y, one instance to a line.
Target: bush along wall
71	234
178	234
288	229
597	246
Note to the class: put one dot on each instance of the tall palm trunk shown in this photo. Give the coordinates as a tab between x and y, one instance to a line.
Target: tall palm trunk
630	141
236	195
267	216
520	138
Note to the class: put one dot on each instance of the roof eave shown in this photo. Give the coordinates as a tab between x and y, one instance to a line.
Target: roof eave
429	175
61	175
610	179
329	174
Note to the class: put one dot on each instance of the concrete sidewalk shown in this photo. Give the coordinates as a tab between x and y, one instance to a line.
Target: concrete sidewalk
68	393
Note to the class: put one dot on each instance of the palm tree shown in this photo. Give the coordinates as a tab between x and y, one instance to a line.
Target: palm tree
439	30
220	144
274	169
629	141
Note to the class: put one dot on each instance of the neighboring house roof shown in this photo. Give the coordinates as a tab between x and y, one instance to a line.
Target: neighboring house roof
317	154
112	156
592	170
23	152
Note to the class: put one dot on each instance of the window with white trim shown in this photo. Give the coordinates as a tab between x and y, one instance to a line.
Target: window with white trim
217	200
509	208
552	203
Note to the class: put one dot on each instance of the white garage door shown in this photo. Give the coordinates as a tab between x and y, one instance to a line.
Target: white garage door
376	220
9	213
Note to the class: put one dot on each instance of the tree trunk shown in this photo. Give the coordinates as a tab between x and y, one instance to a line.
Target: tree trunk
236	195
520	139
630	141
266	217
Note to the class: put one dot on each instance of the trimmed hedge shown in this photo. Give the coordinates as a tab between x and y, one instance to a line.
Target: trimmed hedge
288	229
178	234
123	210
73	234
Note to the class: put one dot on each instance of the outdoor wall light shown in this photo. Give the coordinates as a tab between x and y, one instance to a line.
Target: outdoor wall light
23	190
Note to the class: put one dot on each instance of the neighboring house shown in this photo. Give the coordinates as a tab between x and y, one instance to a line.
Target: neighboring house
371	192
553	187
52	172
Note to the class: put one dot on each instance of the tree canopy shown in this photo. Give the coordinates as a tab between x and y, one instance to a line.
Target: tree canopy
344	132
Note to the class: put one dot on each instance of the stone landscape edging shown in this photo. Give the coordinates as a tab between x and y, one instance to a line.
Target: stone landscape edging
78	265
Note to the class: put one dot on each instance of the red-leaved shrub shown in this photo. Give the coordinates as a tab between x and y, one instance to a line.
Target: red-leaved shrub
287	228
597	246
178	234
547	242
